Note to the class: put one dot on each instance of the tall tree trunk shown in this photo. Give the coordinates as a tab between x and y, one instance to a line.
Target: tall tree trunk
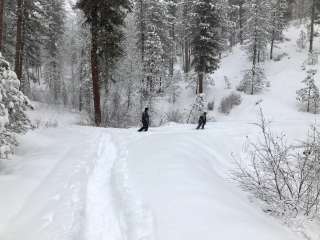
313	15
254	63
241	23
173	49
1	23
95	68
142	30
272	44
187	56
19	40
200	83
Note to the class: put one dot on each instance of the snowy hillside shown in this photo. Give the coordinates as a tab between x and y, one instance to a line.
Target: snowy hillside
72	182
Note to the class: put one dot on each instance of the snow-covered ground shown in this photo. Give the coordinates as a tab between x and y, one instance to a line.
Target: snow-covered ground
71	182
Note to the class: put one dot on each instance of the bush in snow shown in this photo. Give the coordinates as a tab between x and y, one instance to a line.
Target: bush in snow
253	81
285	177
13	103
227	103
211	105
312	59
197	109
302	40
173	116
227	83
309	96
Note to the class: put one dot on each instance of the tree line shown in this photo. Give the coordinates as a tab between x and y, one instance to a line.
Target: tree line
112	58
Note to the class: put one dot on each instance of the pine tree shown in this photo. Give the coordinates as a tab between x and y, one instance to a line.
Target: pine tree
2	4
153	62
257	28
186	32
140	18
19	40
172	6
106	17
13	104
53	47
309	96
312	23
253	81
278	20
206	39
256	34
157	21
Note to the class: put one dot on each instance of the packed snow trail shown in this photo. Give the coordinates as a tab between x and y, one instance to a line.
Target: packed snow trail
70	183
182	175
98	184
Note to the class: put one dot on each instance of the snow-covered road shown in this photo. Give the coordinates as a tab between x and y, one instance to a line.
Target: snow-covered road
183	177
98	184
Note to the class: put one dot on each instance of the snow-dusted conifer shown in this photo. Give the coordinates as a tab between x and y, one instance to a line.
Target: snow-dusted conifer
278	22
253	81
309	96
257	28
256	33
302	40
13	103
153	61
206	39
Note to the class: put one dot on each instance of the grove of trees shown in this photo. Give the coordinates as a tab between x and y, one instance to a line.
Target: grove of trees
110	59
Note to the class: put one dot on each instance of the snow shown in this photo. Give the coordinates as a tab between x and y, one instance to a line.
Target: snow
72	182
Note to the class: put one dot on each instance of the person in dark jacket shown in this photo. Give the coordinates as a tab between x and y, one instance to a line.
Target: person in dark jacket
202	121
145	121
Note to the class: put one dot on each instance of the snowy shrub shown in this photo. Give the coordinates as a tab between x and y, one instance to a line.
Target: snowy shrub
197	109
285	177
309	96
227	83
173	116
38	123
253	81
302	40
312	59
13	103
211	105
227	103
174	88
279	57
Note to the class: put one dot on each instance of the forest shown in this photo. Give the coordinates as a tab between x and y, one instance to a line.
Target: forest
228	96
110	59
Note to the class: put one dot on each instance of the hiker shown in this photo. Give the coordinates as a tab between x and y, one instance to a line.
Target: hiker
202	121
145	121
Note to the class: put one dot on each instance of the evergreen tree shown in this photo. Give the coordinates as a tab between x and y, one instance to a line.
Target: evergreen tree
278	21
312	23
256	35
157	21
153	62
253	81
106	17
309	96
186	32
140	18
2	4
206	39
13	104
172	6
257	28
53	46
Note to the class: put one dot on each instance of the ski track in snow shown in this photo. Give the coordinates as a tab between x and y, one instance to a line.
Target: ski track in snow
113	210
86	195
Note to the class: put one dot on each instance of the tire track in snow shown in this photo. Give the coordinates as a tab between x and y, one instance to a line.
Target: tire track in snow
113	210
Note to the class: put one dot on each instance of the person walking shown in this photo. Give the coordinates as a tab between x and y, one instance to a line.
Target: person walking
145	121
202	121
